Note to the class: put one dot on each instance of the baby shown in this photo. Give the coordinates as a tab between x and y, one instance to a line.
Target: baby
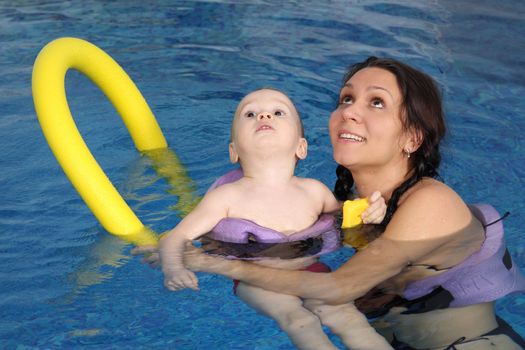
267	139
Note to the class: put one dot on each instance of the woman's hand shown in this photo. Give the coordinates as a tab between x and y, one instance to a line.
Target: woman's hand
196	260
151	255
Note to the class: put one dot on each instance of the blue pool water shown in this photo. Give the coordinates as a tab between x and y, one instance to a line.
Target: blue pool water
67	284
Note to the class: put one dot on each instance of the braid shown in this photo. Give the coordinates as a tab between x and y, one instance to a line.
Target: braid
424	166
393	201
421	169
343	185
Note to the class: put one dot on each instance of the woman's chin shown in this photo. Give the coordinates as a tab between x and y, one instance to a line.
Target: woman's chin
345	160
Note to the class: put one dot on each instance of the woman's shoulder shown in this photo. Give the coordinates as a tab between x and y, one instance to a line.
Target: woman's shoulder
430	209
436	194
429	187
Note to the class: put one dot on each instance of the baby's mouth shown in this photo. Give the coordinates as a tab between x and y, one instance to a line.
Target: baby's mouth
264	127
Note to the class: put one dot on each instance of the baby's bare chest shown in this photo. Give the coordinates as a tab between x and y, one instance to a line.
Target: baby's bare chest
286	212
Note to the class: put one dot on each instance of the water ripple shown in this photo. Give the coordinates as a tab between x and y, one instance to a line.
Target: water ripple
67	283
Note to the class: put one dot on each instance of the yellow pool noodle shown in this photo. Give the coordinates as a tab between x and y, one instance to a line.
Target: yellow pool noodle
64	139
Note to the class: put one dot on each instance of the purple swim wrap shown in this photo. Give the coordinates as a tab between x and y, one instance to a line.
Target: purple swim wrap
235	230
482	277
227	178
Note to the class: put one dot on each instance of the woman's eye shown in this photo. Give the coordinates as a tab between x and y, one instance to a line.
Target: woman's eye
278	113
346	99
250	114
378	103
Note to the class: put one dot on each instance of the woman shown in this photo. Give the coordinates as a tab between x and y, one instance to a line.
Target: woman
385	133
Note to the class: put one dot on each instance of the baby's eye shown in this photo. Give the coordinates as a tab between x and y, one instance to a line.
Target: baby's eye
278	113
346	99
378	103
250	114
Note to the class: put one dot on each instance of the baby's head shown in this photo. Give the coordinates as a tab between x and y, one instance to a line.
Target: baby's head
267	118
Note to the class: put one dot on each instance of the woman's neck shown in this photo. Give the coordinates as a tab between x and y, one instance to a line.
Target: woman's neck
384	179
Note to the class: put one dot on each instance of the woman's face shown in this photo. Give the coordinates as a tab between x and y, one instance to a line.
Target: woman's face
366	129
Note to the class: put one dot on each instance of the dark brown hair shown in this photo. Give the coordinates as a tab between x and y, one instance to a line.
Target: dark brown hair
421	112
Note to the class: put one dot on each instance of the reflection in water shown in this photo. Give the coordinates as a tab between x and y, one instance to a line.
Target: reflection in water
168	166
108	250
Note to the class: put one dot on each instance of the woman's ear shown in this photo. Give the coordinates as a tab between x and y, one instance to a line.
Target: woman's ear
234	157
413	142
302	148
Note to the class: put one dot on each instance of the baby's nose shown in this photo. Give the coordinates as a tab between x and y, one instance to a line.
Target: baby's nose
264	115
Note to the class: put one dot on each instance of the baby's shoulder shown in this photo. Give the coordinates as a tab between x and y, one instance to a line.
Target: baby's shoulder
224	192
310	184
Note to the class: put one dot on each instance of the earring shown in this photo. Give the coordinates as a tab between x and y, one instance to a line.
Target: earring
407	152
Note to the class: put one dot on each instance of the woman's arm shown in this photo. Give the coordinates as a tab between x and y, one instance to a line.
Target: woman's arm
379	261
426	219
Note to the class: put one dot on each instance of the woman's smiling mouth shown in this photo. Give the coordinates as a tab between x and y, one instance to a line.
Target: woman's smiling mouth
351	137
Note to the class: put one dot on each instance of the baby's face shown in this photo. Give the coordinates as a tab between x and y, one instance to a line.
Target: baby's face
266	113
266	118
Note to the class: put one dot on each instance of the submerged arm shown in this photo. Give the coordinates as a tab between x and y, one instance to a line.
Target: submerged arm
420	225
358	275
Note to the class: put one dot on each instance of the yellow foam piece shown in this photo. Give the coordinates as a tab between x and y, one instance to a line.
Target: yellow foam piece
352	212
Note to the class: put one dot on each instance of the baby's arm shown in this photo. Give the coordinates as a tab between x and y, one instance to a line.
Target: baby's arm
199	221
329	204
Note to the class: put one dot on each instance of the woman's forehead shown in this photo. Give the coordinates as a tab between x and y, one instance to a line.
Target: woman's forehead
373	76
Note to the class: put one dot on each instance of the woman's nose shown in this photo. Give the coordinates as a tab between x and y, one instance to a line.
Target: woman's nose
264	115
351	112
